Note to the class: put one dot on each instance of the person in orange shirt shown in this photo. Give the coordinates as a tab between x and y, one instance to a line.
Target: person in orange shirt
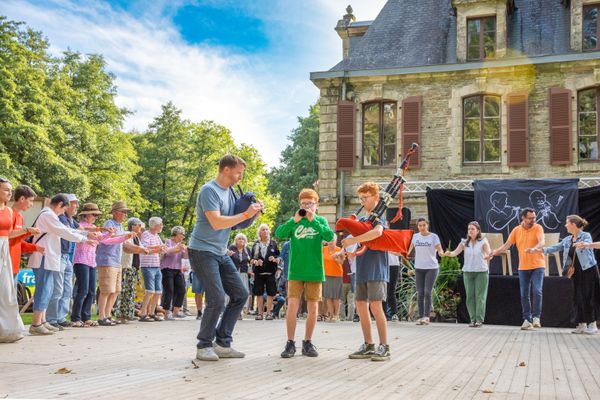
332	288
22	201
528	235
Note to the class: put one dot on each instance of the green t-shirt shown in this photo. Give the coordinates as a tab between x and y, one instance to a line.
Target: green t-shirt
306	243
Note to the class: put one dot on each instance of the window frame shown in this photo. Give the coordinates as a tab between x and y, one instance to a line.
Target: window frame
381	134
481	129
597	89
482	56
585	8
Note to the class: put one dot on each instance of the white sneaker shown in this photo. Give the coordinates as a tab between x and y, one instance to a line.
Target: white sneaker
170	317
40	330
206	354
537	323
591	329
580	328
51	328
527	326
227	352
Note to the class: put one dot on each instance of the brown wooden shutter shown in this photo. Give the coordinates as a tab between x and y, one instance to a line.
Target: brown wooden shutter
560	126
411	128
346	128
518	130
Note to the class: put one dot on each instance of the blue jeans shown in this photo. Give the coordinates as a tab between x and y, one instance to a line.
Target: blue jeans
60	302
527	279
44	284
85	293
219	277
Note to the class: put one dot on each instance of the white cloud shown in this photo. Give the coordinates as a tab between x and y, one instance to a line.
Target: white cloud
257	96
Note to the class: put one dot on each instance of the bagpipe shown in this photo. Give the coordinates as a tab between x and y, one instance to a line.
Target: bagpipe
396	240
241	205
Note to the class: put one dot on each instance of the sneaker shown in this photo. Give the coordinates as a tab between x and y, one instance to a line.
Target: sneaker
537	323
478	324
199	315
40	330
227	352
53	327
364	351
309	349
290	349
526	326
580	328
206	354
382	353
170	317
356	318
395	318
180	315
65	324
591	329
472	324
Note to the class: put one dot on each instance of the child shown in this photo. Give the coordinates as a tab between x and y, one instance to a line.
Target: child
306	233
372	275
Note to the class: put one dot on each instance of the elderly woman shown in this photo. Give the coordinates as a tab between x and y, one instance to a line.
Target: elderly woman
171	268
84	266
265	261
241	258
130	265
150	265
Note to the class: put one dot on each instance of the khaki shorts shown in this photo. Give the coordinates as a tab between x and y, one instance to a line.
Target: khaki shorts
312	290
371	291
109	279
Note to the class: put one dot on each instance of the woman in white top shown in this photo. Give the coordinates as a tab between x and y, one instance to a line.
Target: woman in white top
475	271
426	245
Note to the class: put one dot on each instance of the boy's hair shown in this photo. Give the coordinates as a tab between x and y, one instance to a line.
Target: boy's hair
23	191
308	194
369	187
230	161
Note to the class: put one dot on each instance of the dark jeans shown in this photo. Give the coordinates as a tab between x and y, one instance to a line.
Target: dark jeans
425	281
219	277
586	285
85	293
391	304
173	283
531	280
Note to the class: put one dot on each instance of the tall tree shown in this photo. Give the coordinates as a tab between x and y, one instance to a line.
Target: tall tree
299	165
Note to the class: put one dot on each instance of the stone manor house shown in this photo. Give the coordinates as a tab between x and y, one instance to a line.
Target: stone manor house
488	88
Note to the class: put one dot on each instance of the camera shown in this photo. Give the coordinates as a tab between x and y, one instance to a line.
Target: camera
302	212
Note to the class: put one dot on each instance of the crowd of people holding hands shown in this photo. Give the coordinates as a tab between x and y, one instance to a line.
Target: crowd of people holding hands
313	271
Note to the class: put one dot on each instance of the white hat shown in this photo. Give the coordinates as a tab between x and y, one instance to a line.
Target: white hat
72	197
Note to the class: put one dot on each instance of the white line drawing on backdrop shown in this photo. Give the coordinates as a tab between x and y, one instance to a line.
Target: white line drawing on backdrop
544	211
502	217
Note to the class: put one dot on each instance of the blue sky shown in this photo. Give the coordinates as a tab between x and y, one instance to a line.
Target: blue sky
244	64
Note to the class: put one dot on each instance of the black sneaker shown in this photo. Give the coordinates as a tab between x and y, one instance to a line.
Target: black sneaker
199	315
355	318
364	351
382	353
309	349
66	324
290	349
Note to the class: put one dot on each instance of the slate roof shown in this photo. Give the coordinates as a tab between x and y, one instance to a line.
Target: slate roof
410	33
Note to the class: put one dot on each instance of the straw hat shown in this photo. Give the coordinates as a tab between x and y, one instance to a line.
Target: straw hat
119	206
90	208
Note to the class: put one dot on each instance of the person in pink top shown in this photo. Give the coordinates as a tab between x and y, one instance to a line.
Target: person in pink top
171	269
150	266
84	265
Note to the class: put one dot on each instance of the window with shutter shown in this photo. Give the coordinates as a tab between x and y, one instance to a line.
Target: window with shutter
379	133
560	126
346	127
518	135
411	127
481	129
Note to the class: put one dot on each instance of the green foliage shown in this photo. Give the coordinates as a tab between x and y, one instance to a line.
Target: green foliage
299	166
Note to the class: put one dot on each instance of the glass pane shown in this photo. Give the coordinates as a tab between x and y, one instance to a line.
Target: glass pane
491	150
472	152
471	107
489	24
473	25
590	34
473	39
371	135
473	53
472	129
587	100
389	133
588	148
587	124
491	106
491	128
489	44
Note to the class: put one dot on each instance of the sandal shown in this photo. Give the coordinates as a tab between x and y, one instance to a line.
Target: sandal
146	318
320	318
78	324
259	317
106	322
269	317
89	323
116	322
156	317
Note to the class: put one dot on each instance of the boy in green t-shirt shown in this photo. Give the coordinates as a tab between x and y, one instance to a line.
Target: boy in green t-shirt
305	271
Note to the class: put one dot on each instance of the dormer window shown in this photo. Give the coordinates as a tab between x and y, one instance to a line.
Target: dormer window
590	27
481	38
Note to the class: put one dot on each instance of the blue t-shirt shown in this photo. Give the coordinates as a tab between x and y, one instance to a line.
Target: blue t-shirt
110	255
212	197
372	265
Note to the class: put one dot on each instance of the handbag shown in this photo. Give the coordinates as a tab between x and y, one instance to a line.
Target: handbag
569	270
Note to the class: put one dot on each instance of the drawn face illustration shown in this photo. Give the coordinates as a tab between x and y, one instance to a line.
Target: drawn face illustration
537	199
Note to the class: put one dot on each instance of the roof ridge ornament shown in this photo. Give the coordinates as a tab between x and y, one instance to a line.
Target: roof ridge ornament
347	19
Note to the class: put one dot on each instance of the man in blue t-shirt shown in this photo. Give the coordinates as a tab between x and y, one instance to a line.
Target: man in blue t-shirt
209	260
372	275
